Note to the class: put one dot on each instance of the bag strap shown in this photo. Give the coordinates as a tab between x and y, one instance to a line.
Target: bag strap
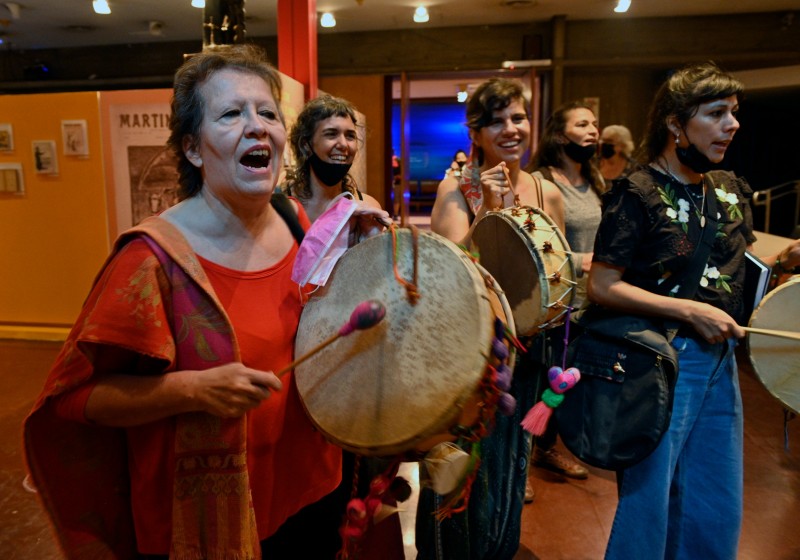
689	277
282	204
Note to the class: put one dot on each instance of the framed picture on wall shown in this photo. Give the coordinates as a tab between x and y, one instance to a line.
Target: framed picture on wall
6	137
45	160
74	135
11	179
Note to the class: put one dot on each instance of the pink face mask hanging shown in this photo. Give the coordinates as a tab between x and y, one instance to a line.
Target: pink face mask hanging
324	243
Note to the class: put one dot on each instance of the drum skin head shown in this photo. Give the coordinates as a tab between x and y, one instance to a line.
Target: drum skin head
383	390
776	360
515	258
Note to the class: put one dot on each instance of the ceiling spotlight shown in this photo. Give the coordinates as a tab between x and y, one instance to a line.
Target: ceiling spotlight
101	7
198	3
327	20
461	94
622	6
421	15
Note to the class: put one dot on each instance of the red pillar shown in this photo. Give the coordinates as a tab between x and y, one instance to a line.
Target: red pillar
297	42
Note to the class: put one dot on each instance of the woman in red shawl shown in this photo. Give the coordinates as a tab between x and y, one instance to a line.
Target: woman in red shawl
162	429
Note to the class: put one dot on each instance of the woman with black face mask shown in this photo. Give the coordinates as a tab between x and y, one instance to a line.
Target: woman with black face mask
564	156
324	141
685	499
616	149
459	161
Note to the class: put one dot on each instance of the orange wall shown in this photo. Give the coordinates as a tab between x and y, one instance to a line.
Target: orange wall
54	238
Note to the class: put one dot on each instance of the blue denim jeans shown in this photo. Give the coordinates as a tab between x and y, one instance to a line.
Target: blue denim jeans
684	501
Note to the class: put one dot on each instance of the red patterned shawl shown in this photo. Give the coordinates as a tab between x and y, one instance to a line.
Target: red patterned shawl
81	470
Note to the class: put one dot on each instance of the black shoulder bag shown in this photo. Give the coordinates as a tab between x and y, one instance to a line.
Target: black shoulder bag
617	413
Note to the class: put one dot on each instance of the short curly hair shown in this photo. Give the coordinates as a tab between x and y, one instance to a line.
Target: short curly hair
188	105
298	178
495	94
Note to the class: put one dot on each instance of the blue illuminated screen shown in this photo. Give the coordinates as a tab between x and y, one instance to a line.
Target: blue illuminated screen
437	131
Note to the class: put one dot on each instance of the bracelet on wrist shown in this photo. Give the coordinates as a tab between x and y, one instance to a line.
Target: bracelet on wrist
780	269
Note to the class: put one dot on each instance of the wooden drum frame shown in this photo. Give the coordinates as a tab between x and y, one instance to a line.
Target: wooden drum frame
530	258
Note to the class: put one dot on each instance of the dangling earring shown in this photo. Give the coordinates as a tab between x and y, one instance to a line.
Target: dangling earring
677	138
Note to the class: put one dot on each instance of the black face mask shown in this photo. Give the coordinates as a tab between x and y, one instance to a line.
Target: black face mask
461	164
692	158
607	151
578	153
329	174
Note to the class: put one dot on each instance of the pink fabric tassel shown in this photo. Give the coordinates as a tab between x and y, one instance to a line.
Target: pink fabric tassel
536	420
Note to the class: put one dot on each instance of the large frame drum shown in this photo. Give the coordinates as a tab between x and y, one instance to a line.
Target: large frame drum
776	360
404	384
531	260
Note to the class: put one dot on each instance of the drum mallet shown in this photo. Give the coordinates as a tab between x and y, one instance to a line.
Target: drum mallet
771	332
366	314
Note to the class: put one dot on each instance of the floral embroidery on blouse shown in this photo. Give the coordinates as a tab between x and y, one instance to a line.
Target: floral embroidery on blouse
677	208
678	211
731	199
713	274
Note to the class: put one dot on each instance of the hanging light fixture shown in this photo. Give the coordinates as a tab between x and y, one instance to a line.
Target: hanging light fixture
421	14
327	20
622	6
101	7
198	3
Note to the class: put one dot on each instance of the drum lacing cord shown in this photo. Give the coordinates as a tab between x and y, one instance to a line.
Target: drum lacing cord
412	291
511	187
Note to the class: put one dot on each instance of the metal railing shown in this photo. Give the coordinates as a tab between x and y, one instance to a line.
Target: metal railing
766	197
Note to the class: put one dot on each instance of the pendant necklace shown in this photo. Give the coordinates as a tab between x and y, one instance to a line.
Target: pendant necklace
701	208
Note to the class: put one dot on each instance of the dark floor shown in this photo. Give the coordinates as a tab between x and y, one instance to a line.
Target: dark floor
569	520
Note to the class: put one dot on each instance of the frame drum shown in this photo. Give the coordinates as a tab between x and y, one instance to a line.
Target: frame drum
776	361
531	260
401	385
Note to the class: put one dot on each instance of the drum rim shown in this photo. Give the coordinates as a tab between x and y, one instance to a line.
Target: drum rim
758	368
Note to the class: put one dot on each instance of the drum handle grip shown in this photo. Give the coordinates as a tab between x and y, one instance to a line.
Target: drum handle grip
771	332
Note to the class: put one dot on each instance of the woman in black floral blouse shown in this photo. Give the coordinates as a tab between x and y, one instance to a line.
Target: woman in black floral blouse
684	500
